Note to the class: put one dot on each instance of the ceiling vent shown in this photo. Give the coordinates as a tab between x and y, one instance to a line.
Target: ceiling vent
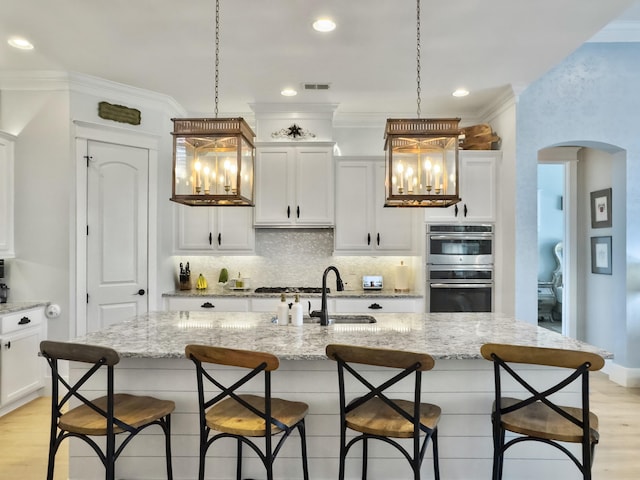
316	86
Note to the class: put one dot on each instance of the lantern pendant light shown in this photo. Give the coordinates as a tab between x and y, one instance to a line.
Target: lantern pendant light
213	158
421	157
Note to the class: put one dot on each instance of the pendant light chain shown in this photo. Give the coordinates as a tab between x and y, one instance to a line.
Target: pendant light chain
418	52
217	55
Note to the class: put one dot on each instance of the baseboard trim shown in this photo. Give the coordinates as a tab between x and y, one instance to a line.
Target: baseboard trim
625	376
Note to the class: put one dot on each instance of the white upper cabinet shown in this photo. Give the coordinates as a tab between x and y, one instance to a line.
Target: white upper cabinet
477	179
207	230
294	186
363	225
6	195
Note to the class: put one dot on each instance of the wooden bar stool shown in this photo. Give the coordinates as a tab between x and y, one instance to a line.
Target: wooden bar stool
107	416
241	416
537	417
376	416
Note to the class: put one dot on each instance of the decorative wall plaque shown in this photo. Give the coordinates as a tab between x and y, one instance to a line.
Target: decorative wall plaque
119	113
294	131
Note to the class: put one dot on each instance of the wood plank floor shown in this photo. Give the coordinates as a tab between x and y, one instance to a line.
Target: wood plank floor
24	436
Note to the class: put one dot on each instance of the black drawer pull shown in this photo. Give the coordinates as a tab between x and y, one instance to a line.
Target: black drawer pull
24	321
375	306
207	305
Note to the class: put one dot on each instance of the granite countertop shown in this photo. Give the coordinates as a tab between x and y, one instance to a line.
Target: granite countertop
12	307
219	292
442	335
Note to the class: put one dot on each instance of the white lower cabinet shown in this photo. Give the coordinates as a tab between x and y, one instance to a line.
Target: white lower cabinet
203	304
378	305
269	305
22	371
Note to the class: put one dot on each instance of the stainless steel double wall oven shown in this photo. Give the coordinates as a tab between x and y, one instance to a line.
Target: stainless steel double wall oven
460	268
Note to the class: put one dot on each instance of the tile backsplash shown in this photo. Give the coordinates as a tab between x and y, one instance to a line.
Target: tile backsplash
297	258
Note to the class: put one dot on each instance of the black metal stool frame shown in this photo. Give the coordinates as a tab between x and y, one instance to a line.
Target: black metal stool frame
499	444
108	457
267	457
414	460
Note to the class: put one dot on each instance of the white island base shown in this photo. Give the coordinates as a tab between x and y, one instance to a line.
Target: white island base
463	389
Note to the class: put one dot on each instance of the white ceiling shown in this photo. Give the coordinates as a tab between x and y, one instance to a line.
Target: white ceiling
167	46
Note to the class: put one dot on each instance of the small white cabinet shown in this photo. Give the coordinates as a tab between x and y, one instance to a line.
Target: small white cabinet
294	185
203	304
378	305
363	225
477	179
6	195
22	372
208	230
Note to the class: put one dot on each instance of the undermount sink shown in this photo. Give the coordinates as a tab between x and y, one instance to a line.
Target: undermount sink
340	319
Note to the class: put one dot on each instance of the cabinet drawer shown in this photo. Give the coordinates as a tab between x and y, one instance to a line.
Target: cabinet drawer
212	304
370	305
21	320
270	305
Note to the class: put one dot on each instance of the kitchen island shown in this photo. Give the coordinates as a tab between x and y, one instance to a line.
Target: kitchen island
152	351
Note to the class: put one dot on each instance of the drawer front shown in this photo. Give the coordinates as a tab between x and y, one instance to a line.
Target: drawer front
373	305
270	305
204	304
21	320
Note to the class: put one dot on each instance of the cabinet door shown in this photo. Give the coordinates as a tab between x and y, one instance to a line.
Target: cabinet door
6	198
214	229
394	227
354	207
314	186
235	229
195	228
21	370
478	190
274	202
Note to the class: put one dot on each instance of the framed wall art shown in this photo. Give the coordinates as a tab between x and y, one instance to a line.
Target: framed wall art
601	255
601	208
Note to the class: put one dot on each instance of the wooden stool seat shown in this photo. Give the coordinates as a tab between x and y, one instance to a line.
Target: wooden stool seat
375	417
133	410
538	420
230	416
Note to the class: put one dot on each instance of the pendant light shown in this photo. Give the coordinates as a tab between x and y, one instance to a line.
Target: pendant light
421	156
213	158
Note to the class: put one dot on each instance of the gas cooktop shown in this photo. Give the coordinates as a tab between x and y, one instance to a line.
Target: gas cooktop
290	290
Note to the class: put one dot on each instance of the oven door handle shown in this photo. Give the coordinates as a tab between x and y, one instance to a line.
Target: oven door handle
460	237
460	285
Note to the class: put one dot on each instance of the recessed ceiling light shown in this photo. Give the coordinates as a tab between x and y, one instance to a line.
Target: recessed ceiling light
324	25
288	92
21	43
461	92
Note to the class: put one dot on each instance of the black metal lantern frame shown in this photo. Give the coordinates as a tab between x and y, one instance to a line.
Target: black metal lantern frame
213	162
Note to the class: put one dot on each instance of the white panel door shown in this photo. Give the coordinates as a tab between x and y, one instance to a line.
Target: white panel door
273	195
354	208
314	186
117	211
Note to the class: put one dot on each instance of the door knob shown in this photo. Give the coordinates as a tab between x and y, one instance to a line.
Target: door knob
140	292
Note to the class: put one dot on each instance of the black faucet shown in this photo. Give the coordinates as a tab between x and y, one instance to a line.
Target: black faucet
322	314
